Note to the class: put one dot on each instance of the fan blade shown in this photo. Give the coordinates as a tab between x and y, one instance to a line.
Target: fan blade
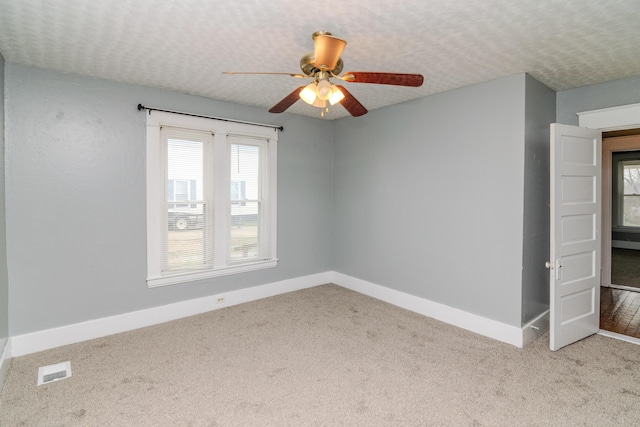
327	51
300	76
351	104
398	79
287	101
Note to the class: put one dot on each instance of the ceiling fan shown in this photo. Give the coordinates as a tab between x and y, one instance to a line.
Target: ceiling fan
325	63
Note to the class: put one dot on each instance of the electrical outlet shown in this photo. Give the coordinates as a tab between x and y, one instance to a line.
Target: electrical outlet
219	300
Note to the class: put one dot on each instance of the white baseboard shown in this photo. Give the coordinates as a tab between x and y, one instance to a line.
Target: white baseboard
70	334
453	316
50	338
5	362
621	337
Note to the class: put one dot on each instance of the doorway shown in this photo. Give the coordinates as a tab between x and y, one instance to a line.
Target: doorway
620	279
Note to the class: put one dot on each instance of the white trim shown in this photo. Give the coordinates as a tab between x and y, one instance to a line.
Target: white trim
614	118
154	282
623	287
608	119
453	316
5	362
50	338
620	337
70	334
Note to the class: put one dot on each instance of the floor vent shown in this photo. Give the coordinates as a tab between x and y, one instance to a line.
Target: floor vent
59	371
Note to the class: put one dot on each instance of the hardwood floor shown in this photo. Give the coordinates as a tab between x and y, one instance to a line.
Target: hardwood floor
620	311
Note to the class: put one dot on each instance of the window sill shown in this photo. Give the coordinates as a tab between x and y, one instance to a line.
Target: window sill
625	229
173	279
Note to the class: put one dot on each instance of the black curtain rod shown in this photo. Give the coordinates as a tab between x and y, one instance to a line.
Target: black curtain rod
150	109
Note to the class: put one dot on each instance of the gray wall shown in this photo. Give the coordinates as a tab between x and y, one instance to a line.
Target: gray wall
429	198
540	111
76	198
4	283
438	197
595	97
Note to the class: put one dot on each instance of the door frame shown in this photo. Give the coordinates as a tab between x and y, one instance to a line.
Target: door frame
609	119
611	145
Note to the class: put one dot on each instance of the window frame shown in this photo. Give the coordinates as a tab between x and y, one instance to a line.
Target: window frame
156	180
618	161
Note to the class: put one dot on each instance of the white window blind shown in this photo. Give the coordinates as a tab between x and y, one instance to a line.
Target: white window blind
249	231
188	220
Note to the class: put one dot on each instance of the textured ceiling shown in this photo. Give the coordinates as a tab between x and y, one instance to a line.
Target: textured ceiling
185	45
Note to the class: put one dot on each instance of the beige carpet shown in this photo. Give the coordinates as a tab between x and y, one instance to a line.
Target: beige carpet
324	357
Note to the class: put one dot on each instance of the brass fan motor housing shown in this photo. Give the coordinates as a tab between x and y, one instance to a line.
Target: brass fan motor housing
308	65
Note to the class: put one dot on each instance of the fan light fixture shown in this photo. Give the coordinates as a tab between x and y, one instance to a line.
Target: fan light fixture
318	94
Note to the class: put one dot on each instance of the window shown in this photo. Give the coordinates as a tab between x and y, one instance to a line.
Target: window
625	194
211	198
631	193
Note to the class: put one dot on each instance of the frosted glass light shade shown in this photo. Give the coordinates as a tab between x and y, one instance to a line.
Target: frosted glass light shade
308	94
336	95
324	90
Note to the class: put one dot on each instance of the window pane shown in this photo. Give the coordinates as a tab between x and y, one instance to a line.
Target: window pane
631	211
631	179
245	202
631	196
244	231
171	192
193	195
235	190
186	244
186	239
182	193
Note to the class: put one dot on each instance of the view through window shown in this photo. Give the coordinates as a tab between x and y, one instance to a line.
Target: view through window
631	194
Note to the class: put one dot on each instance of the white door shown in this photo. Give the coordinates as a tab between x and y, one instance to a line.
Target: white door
576	157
